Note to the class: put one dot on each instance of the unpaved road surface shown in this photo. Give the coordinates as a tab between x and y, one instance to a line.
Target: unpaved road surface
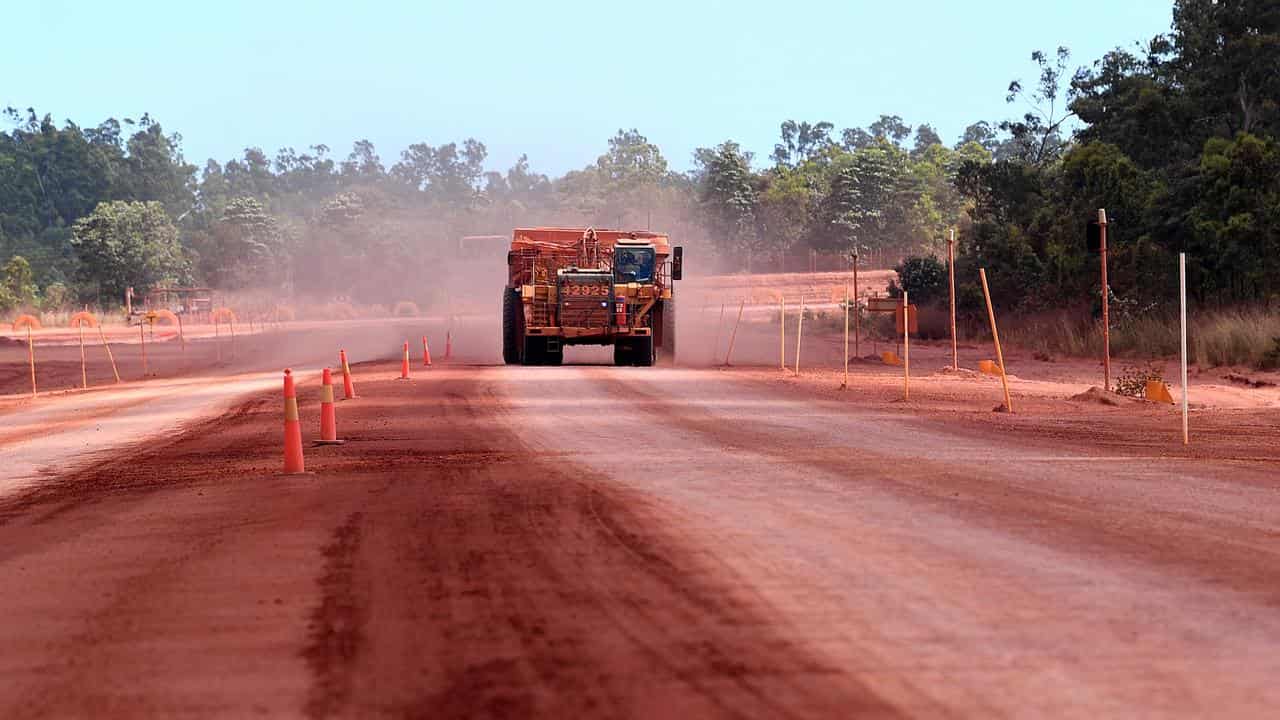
625	542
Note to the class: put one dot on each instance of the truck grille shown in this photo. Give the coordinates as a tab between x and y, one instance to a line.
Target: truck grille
586	300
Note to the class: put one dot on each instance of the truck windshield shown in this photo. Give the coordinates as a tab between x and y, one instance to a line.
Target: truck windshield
633	264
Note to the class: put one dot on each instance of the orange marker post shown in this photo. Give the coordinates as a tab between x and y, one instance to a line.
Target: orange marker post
348	387
293	462
328	415
995	335
426	353
404	362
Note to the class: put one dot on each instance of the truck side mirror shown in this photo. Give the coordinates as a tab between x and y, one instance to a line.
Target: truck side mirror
677	263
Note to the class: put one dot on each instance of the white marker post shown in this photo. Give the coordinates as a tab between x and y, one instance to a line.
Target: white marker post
1182	286
906	347
845	385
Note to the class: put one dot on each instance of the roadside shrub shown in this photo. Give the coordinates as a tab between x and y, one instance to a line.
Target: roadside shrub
923	277
1132	381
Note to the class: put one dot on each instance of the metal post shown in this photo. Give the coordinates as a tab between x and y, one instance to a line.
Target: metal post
951	281
857	315
1106	314
1182	285
995	335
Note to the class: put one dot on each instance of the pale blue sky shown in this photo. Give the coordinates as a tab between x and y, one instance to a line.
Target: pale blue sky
553	79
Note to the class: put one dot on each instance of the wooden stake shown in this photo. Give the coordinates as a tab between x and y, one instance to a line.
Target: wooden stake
31	358
951	281
715	350
182	340
142	332
906	347
845	385
995	334
102	336
799	334
84	374
782	351
728	355
1182	285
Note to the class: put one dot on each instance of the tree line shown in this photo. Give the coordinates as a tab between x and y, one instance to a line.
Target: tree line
1175	137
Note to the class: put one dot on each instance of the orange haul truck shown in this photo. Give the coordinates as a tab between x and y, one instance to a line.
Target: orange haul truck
583	286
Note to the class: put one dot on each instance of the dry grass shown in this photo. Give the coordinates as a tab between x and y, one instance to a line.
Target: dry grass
1223	337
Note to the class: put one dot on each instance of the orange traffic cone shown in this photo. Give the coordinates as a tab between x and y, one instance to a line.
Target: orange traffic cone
448	345
426	353
404	362
348	388
293	464
328	416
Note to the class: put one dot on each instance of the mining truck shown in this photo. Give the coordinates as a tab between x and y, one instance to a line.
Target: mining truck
583	286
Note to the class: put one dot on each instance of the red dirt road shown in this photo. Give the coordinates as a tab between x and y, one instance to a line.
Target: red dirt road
605	542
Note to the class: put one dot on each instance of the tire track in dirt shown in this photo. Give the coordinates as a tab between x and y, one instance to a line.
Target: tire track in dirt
507	585
336	624
1212	548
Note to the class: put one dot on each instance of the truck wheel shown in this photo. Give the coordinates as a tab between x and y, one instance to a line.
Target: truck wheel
621	353
535	351
642	352
511	317
667	330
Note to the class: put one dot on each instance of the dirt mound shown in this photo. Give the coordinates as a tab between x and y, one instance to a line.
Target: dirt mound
1097	395
960	373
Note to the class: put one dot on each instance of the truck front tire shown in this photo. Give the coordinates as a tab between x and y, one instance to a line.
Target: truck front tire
512	320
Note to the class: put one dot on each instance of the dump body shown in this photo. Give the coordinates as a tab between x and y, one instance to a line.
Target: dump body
575	286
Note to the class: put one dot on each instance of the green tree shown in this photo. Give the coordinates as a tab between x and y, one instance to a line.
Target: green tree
17	287
246	248
1037	137
727	198
923	277
127	244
